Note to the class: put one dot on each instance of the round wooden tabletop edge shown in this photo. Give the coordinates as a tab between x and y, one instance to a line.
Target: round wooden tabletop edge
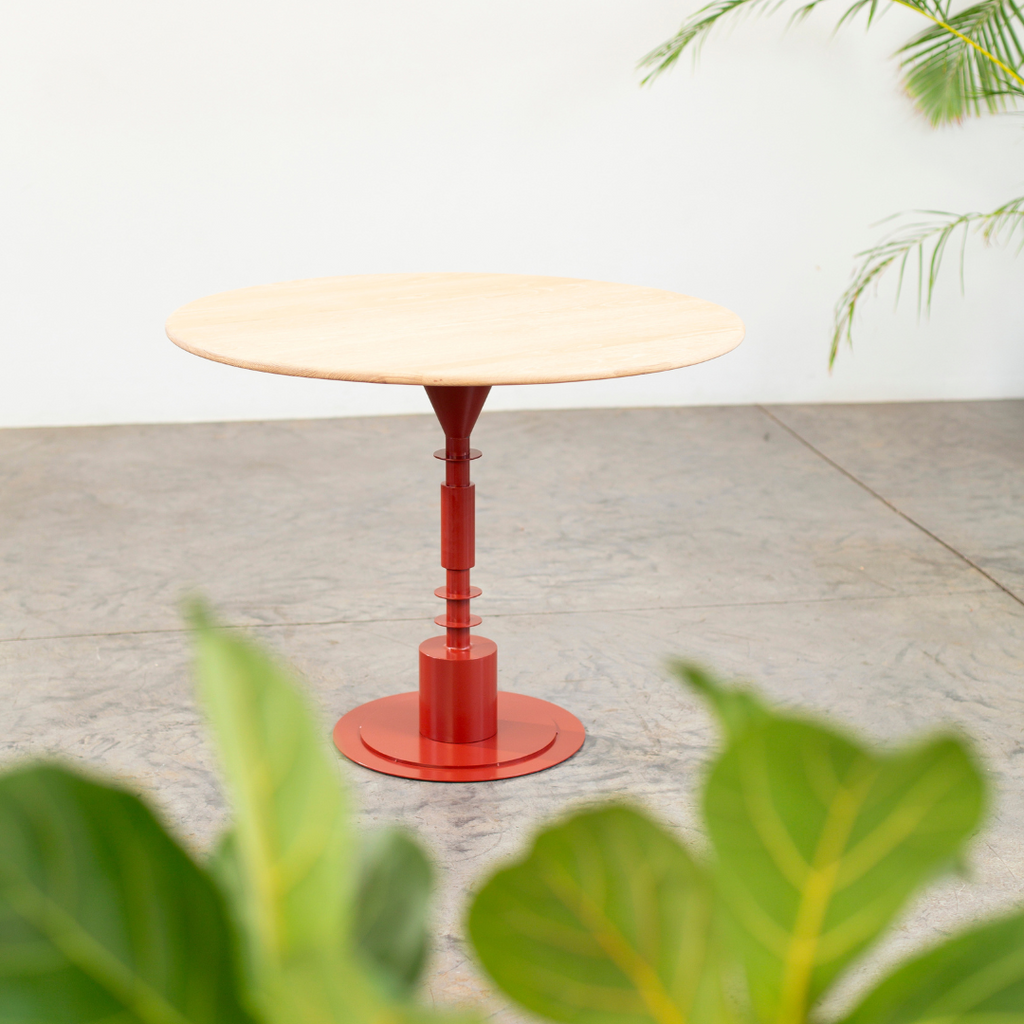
735	327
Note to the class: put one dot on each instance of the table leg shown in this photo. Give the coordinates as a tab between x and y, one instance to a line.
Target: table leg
459	727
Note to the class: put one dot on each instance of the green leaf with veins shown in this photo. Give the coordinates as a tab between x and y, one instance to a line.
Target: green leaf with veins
290	828
103	917
975	978
607	920
287	862
819	844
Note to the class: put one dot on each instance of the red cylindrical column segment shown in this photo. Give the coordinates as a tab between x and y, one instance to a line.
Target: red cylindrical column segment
457	586
458	690
458	526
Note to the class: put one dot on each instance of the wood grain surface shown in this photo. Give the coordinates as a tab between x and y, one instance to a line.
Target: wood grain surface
454	329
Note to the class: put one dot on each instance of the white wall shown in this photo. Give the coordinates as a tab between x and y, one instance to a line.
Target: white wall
157	152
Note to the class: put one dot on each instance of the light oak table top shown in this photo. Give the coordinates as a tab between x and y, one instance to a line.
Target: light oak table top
454	329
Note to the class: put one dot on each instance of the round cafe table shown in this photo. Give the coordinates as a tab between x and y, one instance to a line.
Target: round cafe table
457	335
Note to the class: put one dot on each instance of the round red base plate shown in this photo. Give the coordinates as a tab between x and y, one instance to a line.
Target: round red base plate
532	735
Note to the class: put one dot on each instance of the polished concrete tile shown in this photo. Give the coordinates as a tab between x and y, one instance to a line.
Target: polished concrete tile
609	541
957	468
107	528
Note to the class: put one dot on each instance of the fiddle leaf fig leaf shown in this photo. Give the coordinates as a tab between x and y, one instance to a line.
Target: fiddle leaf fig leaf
286	864
225	870
820	843
607	920
103	916
290	835
392	897
976	978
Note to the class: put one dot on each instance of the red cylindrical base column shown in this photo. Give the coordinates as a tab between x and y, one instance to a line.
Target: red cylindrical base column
458	690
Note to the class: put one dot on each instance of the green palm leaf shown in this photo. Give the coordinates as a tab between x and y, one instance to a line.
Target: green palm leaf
924	242
695	29
965	62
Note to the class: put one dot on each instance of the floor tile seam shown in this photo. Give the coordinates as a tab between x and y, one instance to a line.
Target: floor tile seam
498	615
890	505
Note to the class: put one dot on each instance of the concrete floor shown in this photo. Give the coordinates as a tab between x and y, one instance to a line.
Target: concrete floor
864	561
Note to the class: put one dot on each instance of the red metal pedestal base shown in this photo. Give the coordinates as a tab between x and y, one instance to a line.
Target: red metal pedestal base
532	735
458	690
458	728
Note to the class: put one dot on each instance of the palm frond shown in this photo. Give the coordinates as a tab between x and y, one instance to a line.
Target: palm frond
965	62
962	63
695	29
692	32
927	241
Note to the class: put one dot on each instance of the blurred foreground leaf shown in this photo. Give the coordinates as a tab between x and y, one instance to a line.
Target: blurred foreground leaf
103	917
820	843
287	861
606	921
976	978
290	829
392	899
